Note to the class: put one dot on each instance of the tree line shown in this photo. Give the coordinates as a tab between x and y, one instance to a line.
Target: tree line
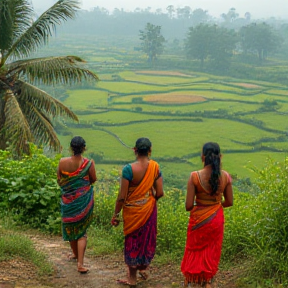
217	43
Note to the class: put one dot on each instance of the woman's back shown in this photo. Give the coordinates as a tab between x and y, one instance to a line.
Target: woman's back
203	190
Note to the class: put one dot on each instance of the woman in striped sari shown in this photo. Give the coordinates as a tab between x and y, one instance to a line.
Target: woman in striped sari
75	175
205	190
141	187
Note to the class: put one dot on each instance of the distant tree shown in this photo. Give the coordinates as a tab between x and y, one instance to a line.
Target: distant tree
199	16
152	41
27	112
211	41
198	42
231	16
223	43
171	10
247	16
184	12
259	38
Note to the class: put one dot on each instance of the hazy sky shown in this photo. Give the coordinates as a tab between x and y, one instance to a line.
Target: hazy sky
258	8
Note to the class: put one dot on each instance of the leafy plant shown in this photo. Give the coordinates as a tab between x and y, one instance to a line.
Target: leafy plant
27	112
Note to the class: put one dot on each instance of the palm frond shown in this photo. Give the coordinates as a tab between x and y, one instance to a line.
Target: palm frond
41	127
41	30
16	127
52	70
42	101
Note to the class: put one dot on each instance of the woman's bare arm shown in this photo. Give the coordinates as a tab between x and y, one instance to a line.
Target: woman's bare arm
158	186
228	196
92	173
190	196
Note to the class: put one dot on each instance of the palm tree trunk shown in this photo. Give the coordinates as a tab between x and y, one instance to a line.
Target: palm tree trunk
3	145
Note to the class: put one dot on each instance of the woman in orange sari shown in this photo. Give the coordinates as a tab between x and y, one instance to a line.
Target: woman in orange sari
141	187
205	190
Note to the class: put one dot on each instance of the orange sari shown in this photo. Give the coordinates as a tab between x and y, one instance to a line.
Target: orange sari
205	233
140	201
140	220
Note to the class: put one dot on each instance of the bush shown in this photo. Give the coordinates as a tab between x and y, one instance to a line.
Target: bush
29	189
257	228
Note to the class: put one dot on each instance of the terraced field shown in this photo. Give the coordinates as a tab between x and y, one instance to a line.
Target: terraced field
179	112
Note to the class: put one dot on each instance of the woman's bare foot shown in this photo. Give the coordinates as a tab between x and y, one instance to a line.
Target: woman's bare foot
127	282
82	269
144	274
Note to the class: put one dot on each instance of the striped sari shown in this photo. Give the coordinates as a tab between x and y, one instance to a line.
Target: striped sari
140	220
205	233
77	202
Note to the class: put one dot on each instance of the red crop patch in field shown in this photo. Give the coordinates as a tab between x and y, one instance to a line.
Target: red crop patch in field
174	98
164	73
247	85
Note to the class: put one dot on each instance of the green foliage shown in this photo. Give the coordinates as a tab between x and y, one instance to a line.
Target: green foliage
260	38
26	112
172	223
152	41
205	41
29	190
257	227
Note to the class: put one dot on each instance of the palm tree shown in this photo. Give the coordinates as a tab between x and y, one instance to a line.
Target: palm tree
26	112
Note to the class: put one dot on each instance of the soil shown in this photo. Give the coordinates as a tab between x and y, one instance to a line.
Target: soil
164	73
174	98
104	271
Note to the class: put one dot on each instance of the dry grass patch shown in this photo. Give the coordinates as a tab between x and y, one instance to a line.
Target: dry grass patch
247	85
174	98
164	73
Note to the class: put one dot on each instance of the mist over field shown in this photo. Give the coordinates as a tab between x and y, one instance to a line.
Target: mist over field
257	8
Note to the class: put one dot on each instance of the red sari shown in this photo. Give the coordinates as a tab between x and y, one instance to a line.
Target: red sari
205	233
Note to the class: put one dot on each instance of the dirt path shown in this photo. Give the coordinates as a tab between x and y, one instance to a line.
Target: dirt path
104	271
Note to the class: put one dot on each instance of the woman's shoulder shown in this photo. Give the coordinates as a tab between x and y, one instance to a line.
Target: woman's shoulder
226	175
127	172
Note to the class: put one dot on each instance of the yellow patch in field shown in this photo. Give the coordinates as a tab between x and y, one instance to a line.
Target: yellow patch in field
174	98
164	73
248	85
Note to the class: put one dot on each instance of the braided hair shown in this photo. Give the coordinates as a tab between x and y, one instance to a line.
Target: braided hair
143	146
77	145
211	151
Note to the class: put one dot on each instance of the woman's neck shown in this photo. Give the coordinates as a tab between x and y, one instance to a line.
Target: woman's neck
142	159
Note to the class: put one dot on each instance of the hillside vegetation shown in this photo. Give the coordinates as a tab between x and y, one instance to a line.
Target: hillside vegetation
255	228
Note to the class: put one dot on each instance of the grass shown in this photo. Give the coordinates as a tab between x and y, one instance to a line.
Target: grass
14	244
82	99
173	135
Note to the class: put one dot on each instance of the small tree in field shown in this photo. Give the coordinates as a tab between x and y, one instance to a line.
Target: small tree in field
152	41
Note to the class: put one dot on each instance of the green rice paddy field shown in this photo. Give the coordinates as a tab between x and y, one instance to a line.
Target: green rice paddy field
179	112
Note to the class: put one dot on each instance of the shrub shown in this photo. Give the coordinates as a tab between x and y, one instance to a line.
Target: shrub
29	190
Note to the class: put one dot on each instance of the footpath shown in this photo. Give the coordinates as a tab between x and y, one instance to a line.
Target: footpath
104	271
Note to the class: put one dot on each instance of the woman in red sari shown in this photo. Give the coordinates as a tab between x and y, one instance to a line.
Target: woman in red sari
205	190
141	187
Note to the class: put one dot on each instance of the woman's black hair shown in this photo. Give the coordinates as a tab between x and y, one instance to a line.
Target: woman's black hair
77	145
143	146
211	151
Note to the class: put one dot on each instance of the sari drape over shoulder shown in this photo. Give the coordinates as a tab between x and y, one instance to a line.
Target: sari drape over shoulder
205	233
140	219
77	202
